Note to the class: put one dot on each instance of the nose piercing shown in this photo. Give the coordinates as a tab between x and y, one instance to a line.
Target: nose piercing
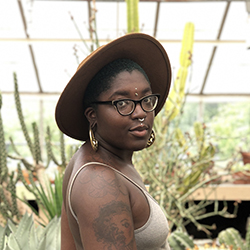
141	120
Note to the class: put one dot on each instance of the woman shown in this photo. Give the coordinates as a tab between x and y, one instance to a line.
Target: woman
110	103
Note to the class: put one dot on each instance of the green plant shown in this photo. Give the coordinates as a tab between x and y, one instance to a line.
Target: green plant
132	16
180	241
231	237
37	167
176	97
11	207
239	166
232	129
174	168
3	152
180	163
49	200
27	235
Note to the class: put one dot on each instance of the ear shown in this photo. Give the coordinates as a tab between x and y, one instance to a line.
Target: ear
90	114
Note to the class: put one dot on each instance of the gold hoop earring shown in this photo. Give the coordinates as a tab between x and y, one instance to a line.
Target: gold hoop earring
93	141
151	139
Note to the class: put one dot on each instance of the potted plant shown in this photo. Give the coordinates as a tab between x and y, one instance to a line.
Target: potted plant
241	170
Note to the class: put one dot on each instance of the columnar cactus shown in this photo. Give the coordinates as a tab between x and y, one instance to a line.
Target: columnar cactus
132	16
21	117
3	152
11	207
38	166
176	96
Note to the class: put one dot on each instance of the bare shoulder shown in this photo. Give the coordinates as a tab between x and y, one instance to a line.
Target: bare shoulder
101	202
96	181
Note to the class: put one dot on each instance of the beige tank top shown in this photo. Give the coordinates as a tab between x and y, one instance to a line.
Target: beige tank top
153	234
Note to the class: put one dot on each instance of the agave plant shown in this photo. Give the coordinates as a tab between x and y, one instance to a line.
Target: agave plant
27	235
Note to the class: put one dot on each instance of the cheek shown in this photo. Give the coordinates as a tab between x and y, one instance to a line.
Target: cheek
114	129
111	124
151	117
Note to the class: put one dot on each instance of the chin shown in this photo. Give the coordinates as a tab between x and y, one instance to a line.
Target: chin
136	150
139	146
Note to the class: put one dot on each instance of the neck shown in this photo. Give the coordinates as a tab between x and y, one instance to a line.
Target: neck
123	156
111	154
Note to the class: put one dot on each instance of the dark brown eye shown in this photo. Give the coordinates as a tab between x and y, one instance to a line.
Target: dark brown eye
122	104
125	106
148	103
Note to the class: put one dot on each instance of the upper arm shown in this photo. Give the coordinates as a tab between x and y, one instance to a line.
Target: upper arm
67	241
101	203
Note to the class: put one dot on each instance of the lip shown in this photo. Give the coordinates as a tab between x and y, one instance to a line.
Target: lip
139	130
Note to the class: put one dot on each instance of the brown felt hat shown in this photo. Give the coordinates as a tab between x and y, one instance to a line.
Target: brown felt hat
140	48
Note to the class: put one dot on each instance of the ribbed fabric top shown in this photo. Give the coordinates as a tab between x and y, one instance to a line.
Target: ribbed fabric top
153	234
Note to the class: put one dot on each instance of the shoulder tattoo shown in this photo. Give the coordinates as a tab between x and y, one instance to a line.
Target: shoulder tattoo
114	226
101	184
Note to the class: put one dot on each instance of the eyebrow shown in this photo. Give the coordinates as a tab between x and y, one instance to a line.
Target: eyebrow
126	93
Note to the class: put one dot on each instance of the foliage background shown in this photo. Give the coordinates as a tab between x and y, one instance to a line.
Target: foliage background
228	123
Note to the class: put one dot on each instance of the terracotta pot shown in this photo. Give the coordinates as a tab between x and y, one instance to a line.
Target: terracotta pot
241	178
245	157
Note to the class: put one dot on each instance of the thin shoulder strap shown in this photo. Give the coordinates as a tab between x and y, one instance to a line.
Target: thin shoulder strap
80	169
125	176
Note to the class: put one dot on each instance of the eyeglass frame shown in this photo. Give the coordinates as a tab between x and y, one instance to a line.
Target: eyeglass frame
114	103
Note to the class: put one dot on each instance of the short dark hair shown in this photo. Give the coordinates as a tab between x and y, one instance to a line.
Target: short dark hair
101	82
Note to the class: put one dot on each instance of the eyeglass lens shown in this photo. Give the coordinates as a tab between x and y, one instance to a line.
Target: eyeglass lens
126	107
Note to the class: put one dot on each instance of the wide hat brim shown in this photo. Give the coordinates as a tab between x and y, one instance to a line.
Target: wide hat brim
141	48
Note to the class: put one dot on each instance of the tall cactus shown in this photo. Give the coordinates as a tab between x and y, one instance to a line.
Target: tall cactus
176	96
37	167
3	152
35	145
132	16
11	207
21	117
6	208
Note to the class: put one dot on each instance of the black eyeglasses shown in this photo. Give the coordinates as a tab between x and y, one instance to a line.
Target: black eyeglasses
127	106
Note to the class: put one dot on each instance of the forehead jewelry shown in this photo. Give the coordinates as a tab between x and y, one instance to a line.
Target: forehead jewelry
136	94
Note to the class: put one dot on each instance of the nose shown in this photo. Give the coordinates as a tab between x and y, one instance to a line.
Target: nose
138	112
